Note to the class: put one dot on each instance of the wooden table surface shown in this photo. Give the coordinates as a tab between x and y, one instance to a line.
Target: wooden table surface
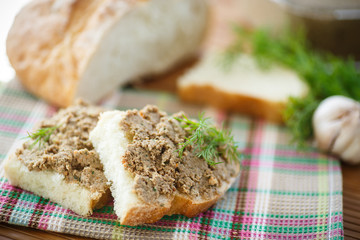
351	201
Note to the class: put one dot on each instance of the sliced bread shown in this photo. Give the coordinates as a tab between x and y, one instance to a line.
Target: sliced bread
243	87
148	178
62	166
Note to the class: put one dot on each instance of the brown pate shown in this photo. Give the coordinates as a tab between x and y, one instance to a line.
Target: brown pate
69	150
158	170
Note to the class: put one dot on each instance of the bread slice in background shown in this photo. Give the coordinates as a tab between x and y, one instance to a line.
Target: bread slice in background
62	50
242	87
111	141
65	168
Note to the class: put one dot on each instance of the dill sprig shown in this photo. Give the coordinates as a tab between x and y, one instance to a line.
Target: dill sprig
325	74
41	136
207	141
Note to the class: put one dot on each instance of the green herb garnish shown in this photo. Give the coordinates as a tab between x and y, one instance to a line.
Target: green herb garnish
325	74
77	178
207	141
41	136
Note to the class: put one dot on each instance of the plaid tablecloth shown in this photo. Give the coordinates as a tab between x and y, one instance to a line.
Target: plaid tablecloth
280	194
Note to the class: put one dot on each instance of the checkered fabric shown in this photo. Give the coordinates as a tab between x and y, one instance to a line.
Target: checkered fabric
280	194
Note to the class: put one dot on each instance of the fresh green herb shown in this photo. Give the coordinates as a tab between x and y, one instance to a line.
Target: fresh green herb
325	74
41	136
207	141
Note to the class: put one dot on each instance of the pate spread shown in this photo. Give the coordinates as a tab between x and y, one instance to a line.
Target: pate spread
153	158
69	150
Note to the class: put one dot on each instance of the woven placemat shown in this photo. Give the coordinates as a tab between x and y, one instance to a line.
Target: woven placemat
280	194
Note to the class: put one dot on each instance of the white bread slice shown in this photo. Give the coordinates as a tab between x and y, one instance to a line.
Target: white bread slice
110	141
85	49
52	185
244	87
54	168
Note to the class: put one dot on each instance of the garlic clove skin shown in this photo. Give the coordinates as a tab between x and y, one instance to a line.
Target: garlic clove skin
326	122
336	124
348	136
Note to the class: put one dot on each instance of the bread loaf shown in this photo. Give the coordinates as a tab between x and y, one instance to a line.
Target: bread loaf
243	87
148	178
65	49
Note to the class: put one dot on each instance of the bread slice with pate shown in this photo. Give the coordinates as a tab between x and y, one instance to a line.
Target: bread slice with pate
148	177
63	165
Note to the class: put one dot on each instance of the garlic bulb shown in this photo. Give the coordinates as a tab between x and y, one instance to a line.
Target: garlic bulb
336	124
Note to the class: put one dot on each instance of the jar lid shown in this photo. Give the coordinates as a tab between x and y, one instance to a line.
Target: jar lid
323	9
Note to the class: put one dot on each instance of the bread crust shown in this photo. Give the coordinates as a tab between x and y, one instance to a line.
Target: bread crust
256	107
43	44
190	208
180	204
18	175
102	201
143	214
